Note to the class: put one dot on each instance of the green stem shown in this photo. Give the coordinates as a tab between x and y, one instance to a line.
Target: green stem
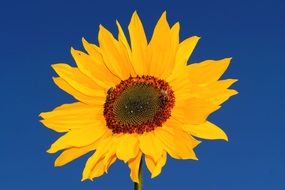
138	186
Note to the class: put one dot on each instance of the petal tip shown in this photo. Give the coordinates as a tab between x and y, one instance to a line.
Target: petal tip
197	37
41	115
235	92
101	27
73	51
134	19
50	151
226	138
85	176
53	65
135	13
57	164
56	66
228	60
83	40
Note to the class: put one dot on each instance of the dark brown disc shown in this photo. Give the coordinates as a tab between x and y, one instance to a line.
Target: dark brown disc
138	105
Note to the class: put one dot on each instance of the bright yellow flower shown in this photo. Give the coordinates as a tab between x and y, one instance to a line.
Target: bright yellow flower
138	99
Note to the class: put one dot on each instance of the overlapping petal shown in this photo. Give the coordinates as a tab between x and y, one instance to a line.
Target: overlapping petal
138	45
151	146
207	71
161	64
206	130
127	147
78	138
78	80
62	84
73	153
94	69
176	142
183	54
72	116
97	159
134	165
155	167
115	57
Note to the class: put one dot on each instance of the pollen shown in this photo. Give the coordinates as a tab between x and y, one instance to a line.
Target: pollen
138	105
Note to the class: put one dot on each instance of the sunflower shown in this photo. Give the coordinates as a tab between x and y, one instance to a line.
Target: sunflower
136	100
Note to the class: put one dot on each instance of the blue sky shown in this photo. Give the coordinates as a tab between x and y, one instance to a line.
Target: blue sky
35	34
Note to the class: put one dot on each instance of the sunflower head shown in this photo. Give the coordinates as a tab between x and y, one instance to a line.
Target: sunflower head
136	99
138	105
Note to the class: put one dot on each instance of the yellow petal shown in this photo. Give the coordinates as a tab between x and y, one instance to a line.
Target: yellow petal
150	146
95	71
62	84
78	80
197	110
223	84
78	138
184	51
215	92
180	85
162	48
155	167
122	37
177	143
218	93
134	167
193	110
207	71
71	154
127	147
102	149
101	67
98	169
224	96
70	109
174	31
125	50
109	160
178	112
73	116
138	44
114	57
110	156
206	130
93	51
210	90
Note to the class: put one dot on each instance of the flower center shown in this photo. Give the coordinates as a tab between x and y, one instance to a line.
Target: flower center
138	105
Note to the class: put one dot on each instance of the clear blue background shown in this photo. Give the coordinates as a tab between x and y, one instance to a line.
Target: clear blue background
35	34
